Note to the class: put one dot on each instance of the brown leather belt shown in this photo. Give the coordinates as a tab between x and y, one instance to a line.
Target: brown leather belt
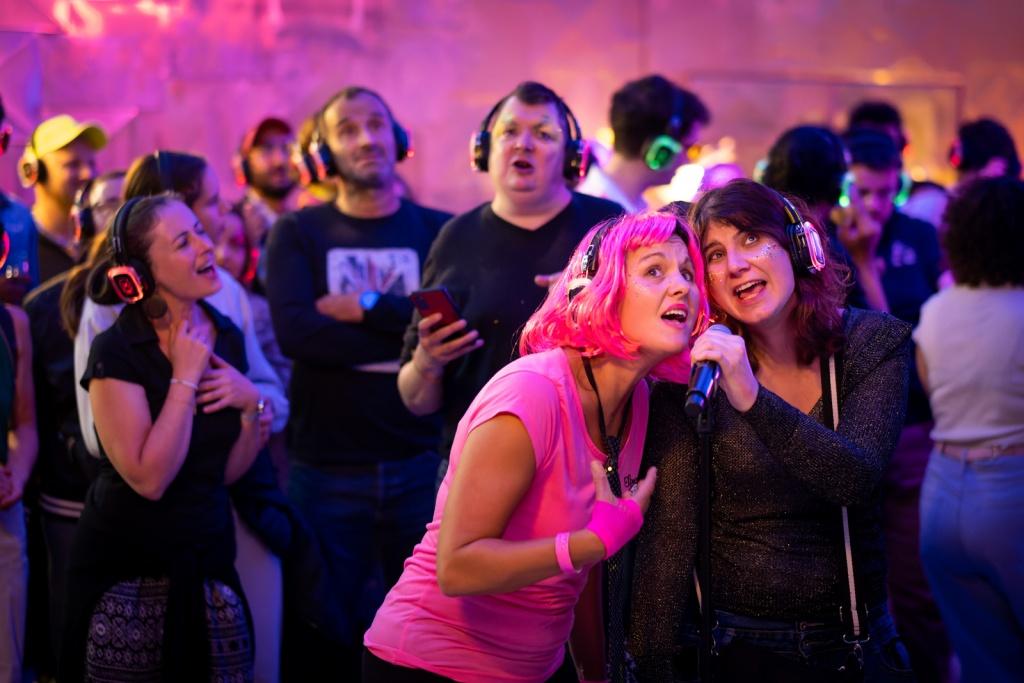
969	453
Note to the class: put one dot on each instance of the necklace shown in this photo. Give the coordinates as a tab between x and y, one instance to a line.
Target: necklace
612	444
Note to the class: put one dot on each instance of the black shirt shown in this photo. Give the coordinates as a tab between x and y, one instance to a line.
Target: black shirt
53	259
188	534
345	409
64	467
780	477
488	266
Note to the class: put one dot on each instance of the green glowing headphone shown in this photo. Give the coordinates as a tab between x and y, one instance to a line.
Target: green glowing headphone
664	149
899	200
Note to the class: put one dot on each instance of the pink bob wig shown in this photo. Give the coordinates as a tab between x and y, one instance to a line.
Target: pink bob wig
591	322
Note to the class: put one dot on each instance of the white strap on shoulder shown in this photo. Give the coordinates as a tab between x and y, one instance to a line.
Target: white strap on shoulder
854	615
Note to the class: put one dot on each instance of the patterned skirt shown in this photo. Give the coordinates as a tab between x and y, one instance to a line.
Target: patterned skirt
126	633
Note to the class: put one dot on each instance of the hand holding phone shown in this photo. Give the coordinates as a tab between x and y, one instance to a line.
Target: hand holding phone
439	344
437	300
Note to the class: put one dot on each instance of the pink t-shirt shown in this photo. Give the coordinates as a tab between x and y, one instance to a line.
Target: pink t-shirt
517	636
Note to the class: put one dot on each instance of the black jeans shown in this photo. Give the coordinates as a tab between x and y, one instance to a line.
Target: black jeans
765	651
376	670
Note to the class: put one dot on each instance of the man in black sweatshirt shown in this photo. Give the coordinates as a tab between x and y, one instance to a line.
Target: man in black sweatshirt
338	280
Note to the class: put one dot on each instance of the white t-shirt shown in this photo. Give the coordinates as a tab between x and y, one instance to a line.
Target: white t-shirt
972	340
600	184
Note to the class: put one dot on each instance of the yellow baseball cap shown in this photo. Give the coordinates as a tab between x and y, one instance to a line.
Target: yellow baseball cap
61	130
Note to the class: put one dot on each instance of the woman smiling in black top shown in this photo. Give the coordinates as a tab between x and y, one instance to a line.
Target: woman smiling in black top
153	587
787	477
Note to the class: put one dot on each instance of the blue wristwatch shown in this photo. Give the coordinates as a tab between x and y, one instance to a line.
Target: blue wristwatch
367	300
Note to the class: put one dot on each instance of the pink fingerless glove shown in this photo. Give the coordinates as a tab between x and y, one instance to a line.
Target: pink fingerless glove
615	524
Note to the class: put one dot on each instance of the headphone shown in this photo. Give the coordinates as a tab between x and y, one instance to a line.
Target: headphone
805	248
240	160
577	151
664	149
163	172
30	169
5	136
86	219
240	168
316	162
5	246
588	264
956	154
129	277
899	200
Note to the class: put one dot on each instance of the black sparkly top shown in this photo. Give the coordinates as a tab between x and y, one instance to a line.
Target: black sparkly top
780	478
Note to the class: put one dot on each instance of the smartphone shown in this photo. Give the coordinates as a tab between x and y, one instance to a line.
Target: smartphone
437	300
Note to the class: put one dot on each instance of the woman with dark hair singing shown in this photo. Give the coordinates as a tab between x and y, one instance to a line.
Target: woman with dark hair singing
153	590
811	404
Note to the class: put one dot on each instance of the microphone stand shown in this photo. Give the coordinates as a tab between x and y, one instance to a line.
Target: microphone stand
705	427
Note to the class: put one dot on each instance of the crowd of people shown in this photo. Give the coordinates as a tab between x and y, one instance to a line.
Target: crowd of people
238	451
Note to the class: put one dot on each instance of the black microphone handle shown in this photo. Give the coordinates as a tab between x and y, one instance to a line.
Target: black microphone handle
704	381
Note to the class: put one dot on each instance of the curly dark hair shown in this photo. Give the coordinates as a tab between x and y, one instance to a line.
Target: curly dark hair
641	110
751	207
809	162
875	113
875	150
985	233
981	141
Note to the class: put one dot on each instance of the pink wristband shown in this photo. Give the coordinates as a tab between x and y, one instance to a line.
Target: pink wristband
614	525
562	553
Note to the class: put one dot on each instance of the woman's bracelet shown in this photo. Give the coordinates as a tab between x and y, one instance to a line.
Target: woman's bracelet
562	554
184	382
261	405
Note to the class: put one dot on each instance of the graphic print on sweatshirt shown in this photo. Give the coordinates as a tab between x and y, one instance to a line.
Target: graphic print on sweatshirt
388	270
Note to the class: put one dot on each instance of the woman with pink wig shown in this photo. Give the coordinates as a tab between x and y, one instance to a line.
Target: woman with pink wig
544	481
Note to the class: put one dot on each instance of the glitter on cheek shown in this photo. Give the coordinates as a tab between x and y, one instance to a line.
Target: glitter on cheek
766	252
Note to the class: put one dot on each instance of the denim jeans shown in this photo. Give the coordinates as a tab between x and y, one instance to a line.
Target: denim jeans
972	546
13	592
367	519
753	649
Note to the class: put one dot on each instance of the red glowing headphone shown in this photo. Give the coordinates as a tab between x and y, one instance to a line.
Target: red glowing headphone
5	137
129	277
5	247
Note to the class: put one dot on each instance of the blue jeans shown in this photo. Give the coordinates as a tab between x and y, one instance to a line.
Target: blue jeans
972	546
13	591
367	519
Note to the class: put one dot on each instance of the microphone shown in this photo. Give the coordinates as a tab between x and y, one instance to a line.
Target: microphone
703	380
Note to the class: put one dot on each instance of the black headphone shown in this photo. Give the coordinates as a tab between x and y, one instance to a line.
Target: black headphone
805	248
86	219
163	172
588	264
316	162
577	154
130	277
